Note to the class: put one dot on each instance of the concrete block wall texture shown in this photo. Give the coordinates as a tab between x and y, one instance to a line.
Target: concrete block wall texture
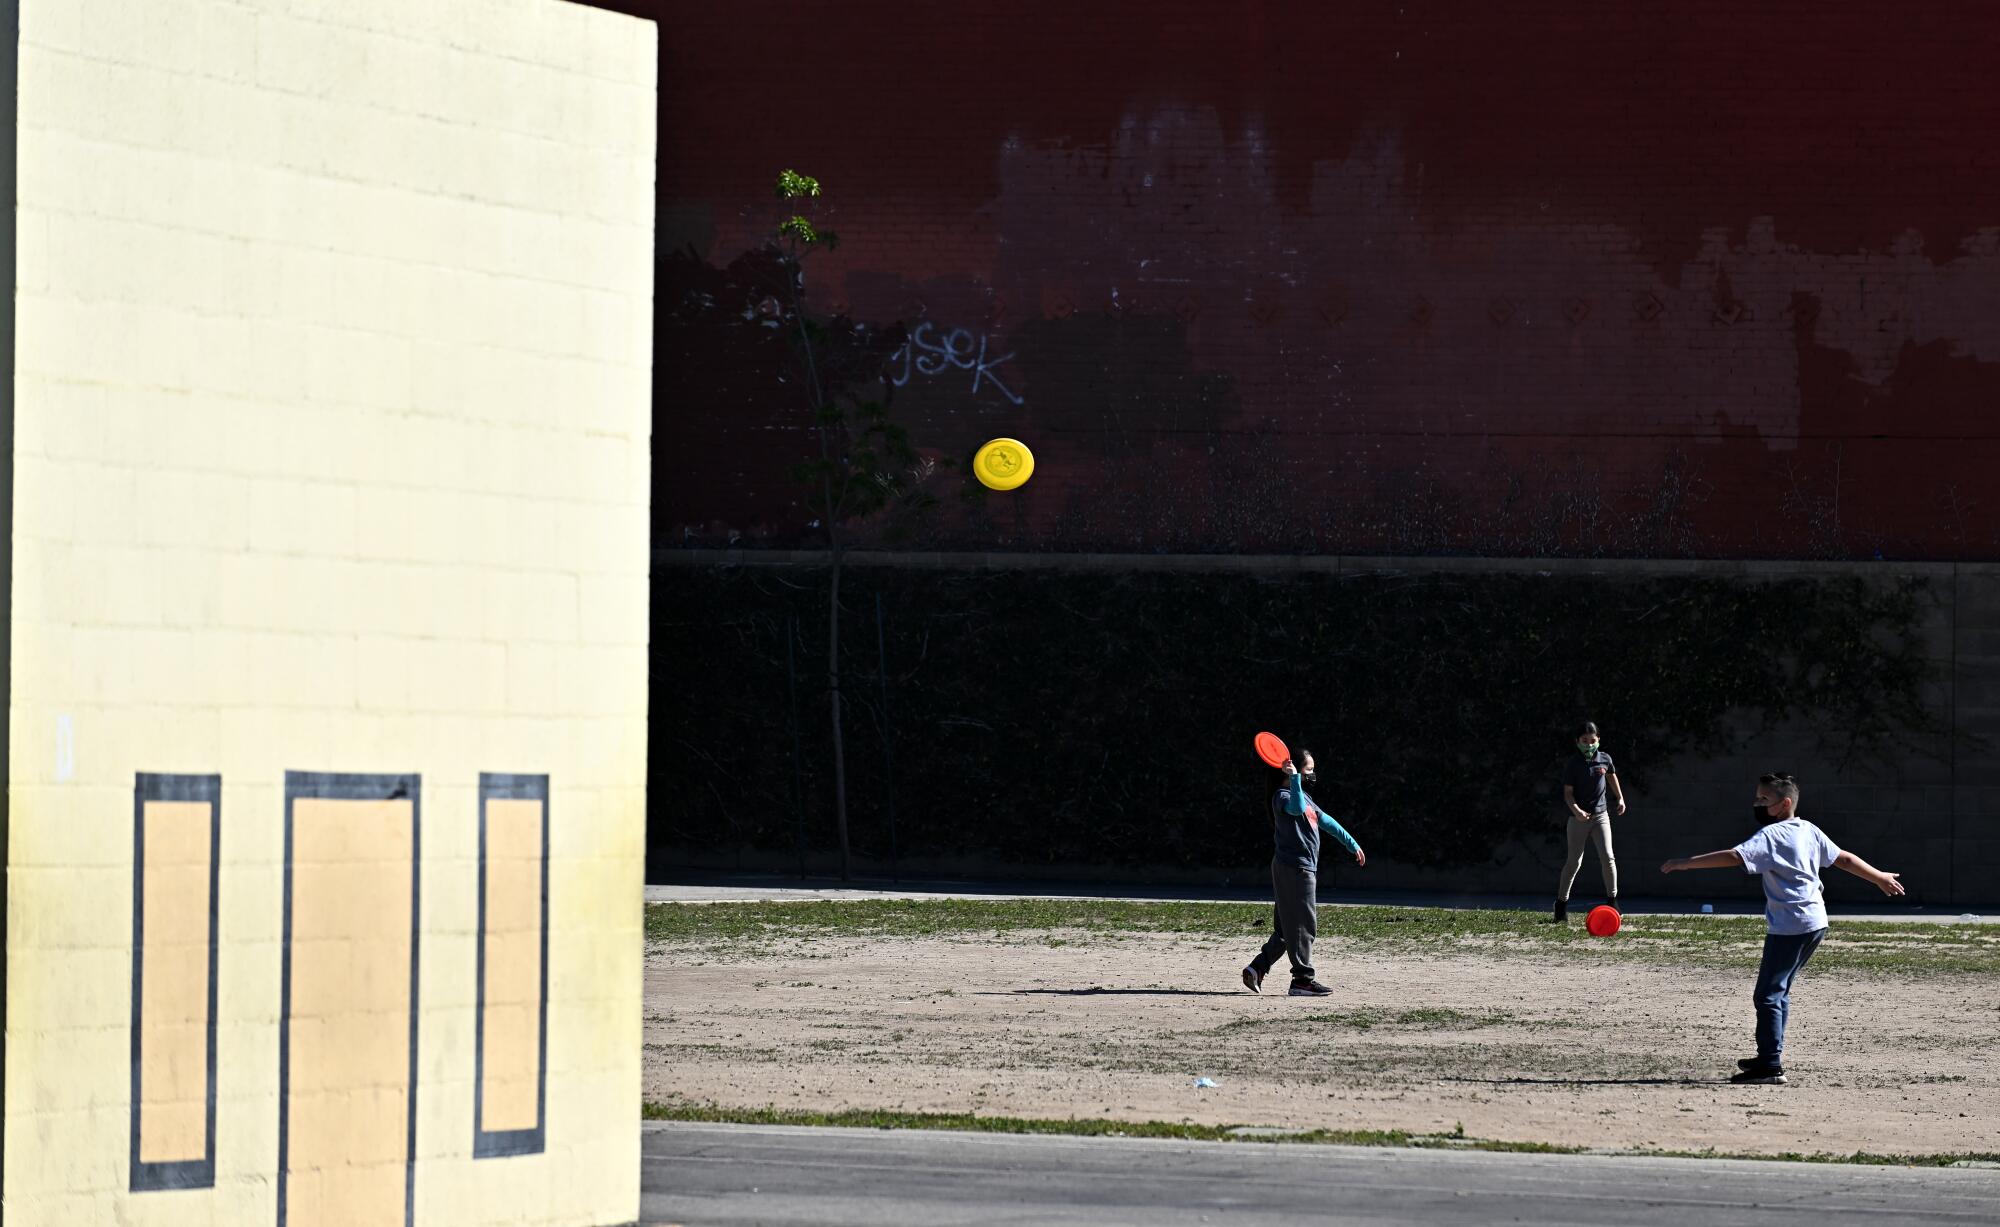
331	377
1377	277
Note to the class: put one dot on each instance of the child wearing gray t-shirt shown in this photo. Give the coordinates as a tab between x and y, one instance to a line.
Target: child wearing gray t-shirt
1788	853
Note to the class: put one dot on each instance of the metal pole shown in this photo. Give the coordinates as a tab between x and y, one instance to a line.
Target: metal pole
1951	747
888	753
798	765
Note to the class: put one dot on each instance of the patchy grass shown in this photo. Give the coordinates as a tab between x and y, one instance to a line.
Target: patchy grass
745	929
1426	1019
968	1122
1863	1158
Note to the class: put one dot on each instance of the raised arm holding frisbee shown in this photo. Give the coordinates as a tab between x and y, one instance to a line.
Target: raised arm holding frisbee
1295	823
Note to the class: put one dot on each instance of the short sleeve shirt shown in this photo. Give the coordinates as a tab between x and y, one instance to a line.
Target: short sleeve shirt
1588	775
1789	856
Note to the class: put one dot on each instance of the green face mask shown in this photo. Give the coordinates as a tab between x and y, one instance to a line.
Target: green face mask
1586	747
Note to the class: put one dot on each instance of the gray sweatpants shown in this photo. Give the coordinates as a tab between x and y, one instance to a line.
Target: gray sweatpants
1294	920
1597	831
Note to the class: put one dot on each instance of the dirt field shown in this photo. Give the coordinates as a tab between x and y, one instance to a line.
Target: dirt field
1513	1044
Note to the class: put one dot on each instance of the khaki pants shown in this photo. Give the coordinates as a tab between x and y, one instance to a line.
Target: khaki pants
1595	831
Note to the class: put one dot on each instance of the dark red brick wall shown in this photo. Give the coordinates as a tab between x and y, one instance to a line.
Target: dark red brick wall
1697	278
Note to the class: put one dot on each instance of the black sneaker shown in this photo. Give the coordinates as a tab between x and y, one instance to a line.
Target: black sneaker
1561	915
1253	979
1773	1075
1309	988
1751	1062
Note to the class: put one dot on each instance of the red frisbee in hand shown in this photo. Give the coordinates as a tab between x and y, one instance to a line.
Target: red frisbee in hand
1603	920
1272	750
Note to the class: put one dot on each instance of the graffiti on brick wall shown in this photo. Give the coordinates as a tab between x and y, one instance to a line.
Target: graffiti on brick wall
931	352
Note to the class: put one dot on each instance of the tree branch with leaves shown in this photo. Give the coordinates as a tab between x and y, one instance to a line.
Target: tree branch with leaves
866	469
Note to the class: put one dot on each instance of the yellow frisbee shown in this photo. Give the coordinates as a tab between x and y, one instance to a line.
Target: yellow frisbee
1002	464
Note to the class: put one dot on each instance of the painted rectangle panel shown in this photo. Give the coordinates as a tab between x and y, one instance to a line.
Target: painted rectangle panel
347	1050
176	870
511	1035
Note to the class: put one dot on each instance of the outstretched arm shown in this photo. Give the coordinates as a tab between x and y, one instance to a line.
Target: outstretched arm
1340	833
1727	858
1888	883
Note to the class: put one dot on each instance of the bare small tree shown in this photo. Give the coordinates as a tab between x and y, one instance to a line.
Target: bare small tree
866	469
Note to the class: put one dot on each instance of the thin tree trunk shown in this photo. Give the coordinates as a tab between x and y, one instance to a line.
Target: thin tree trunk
833	693
830	513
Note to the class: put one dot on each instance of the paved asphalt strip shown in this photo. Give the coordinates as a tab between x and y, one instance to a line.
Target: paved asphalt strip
700	1174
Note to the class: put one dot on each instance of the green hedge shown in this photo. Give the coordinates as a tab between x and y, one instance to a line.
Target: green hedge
1049	717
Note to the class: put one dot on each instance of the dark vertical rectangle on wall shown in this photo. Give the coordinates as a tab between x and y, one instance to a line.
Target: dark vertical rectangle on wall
511	1031
10	118
176	884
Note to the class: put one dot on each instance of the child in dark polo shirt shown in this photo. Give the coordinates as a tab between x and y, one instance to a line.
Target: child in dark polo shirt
1590	787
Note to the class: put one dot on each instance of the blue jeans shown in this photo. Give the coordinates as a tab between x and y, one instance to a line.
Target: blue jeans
1785	955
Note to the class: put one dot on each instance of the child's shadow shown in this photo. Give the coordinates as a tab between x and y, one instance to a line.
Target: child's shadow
1517	1081
1115	992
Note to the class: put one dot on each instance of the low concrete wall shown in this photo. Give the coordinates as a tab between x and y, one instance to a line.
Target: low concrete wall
1933	817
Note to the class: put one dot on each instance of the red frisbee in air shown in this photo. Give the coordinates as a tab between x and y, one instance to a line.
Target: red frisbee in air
1272	750
1603	920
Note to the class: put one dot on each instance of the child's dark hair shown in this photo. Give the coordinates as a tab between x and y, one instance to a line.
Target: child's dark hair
1781	784
1586	729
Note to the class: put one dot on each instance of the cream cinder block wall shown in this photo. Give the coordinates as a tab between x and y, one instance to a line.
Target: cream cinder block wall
332	378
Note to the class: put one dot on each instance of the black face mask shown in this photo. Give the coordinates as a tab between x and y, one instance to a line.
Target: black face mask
1310	777
1762	813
